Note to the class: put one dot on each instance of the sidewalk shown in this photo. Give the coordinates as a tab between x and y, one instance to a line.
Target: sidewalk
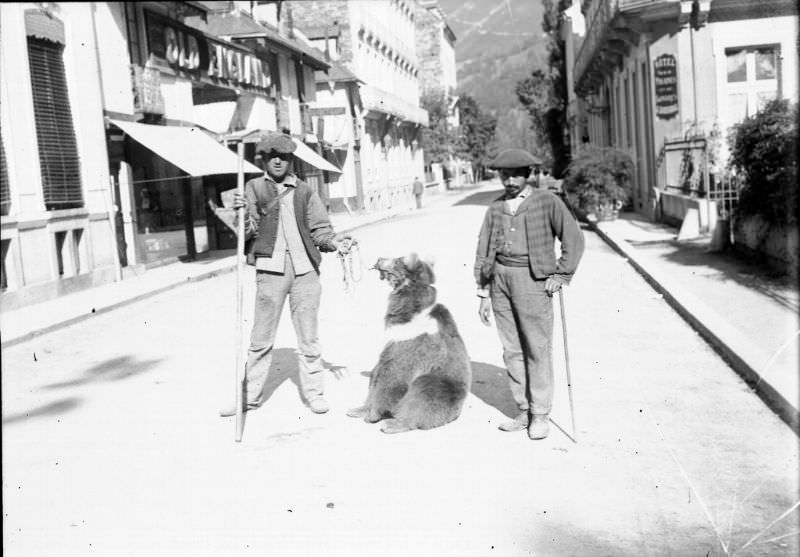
748	314
27	322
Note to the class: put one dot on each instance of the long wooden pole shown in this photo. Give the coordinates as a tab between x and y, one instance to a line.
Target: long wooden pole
566	359
239	295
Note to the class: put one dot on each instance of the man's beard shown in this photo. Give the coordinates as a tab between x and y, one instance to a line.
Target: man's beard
513	191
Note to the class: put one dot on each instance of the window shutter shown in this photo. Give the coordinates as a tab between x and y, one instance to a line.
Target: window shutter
58	151
5	196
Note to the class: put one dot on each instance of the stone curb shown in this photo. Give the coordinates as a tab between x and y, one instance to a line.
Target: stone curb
724	339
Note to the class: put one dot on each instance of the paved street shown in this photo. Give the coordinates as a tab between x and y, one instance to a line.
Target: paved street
112	444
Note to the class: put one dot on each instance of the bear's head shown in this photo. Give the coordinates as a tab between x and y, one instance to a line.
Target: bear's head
405	271
412	281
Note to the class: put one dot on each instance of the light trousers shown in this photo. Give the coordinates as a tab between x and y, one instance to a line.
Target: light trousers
304	296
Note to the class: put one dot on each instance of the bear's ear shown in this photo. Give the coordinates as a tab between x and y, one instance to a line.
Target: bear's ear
429	258
410	261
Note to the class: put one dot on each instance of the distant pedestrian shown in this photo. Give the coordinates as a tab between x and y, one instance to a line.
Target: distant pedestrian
517	274
286	227
418	190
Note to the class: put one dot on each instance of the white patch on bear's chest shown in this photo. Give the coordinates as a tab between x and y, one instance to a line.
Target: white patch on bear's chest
420	324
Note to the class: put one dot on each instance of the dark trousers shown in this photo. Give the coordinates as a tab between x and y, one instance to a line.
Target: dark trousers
524	315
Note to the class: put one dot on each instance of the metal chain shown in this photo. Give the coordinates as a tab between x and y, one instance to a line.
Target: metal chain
350	258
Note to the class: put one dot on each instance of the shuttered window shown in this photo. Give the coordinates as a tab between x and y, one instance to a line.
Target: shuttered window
58	151
5	196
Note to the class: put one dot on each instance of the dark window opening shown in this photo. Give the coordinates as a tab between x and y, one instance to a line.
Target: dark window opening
61	238
3	273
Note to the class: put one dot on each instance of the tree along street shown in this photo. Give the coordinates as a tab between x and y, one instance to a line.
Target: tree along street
112	444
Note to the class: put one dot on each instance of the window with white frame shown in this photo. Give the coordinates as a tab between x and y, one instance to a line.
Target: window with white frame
753	79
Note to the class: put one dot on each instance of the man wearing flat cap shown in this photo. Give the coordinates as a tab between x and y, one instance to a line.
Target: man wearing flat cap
286	228
517	274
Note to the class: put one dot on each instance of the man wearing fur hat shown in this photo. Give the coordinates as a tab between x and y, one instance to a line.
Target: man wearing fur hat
286	228
517	274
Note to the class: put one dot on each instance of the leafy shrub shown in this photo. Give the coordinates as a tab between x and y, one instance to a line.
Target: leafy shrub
599	176
764	156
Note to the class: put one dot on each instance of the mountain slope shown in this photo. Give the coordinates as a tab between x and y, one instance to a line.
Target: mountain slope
498	42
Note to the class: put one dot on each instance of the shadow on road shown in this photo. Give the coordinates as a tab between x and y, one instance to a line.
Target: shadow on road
284	366
114	369
57	407
728	265
483	198
490	384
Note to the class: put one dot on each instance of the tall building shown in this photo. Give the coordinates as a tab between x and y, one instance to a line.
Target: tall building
374	41
437	59
128	105
666	80
54	188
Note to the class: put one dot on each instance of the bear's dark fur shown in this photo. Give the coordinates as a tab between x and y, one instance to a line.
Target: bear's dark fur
423	374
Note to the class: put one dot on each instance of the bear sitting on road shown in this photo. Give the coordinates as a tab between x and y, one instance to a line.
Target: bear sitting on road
423	374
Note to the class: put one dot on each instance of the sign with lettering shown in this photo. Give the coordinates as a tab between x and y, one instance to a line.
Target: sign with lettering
186	50
665	76
147	95
328	111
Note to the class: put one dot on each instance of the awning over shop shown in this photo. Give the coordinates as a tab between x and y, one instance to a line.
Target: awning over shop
303	151
190	148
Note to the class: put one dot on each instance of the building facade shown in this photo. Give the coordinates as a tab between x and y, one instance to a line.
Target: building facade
665	80
113	133
437	58
374	41
55	228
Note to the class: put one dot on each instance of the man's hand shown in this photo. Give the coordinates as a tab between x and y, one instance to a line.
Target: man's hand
239	201
485	311
344	242
552	286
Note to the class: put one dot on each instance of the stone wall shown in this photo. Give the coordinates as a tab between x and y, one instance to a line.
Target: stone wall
674	206
429	49
778	244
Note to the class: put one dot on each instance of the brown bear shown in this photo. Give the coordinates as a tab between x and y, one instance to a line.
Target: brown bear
423	374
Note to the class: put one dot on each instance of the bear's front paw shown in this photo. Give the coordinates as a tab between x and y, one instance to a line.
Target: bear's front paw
394	426
359	412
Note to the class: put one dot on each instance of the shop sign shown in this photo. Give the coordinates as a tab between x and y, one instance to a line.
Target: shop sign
184	50
237	66
328	111
665	75
147	95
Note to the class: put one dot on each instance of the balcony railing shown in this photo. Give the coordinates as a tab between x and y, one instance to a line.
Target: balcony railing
379	100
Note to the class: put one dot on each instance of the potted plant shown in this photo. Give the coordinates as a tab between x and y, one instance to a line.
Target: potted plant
599	180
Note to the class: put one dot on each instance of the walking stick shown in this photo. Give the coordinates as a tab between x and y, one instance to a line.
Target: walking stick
239	294
566	359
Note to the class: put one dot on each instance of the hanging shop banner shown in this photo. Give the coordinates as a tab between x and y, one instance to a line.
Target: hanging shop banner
665	75
187	50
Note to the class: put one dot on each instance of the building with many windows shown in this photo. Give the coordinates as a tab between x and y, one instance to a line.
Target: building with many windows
374	41
55	228
666	79
437	59
114	132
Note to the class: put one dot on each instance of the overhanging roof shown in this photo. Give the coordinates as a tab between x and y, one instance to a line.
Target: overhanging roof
240	26
190	148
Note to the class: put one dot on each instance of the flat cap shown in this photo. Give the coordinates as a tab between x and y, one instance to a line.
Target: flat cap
514	158
278	142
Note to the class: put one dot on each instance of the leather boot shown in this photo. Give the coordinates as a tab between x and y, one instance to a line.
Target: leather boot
539	426
517	424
